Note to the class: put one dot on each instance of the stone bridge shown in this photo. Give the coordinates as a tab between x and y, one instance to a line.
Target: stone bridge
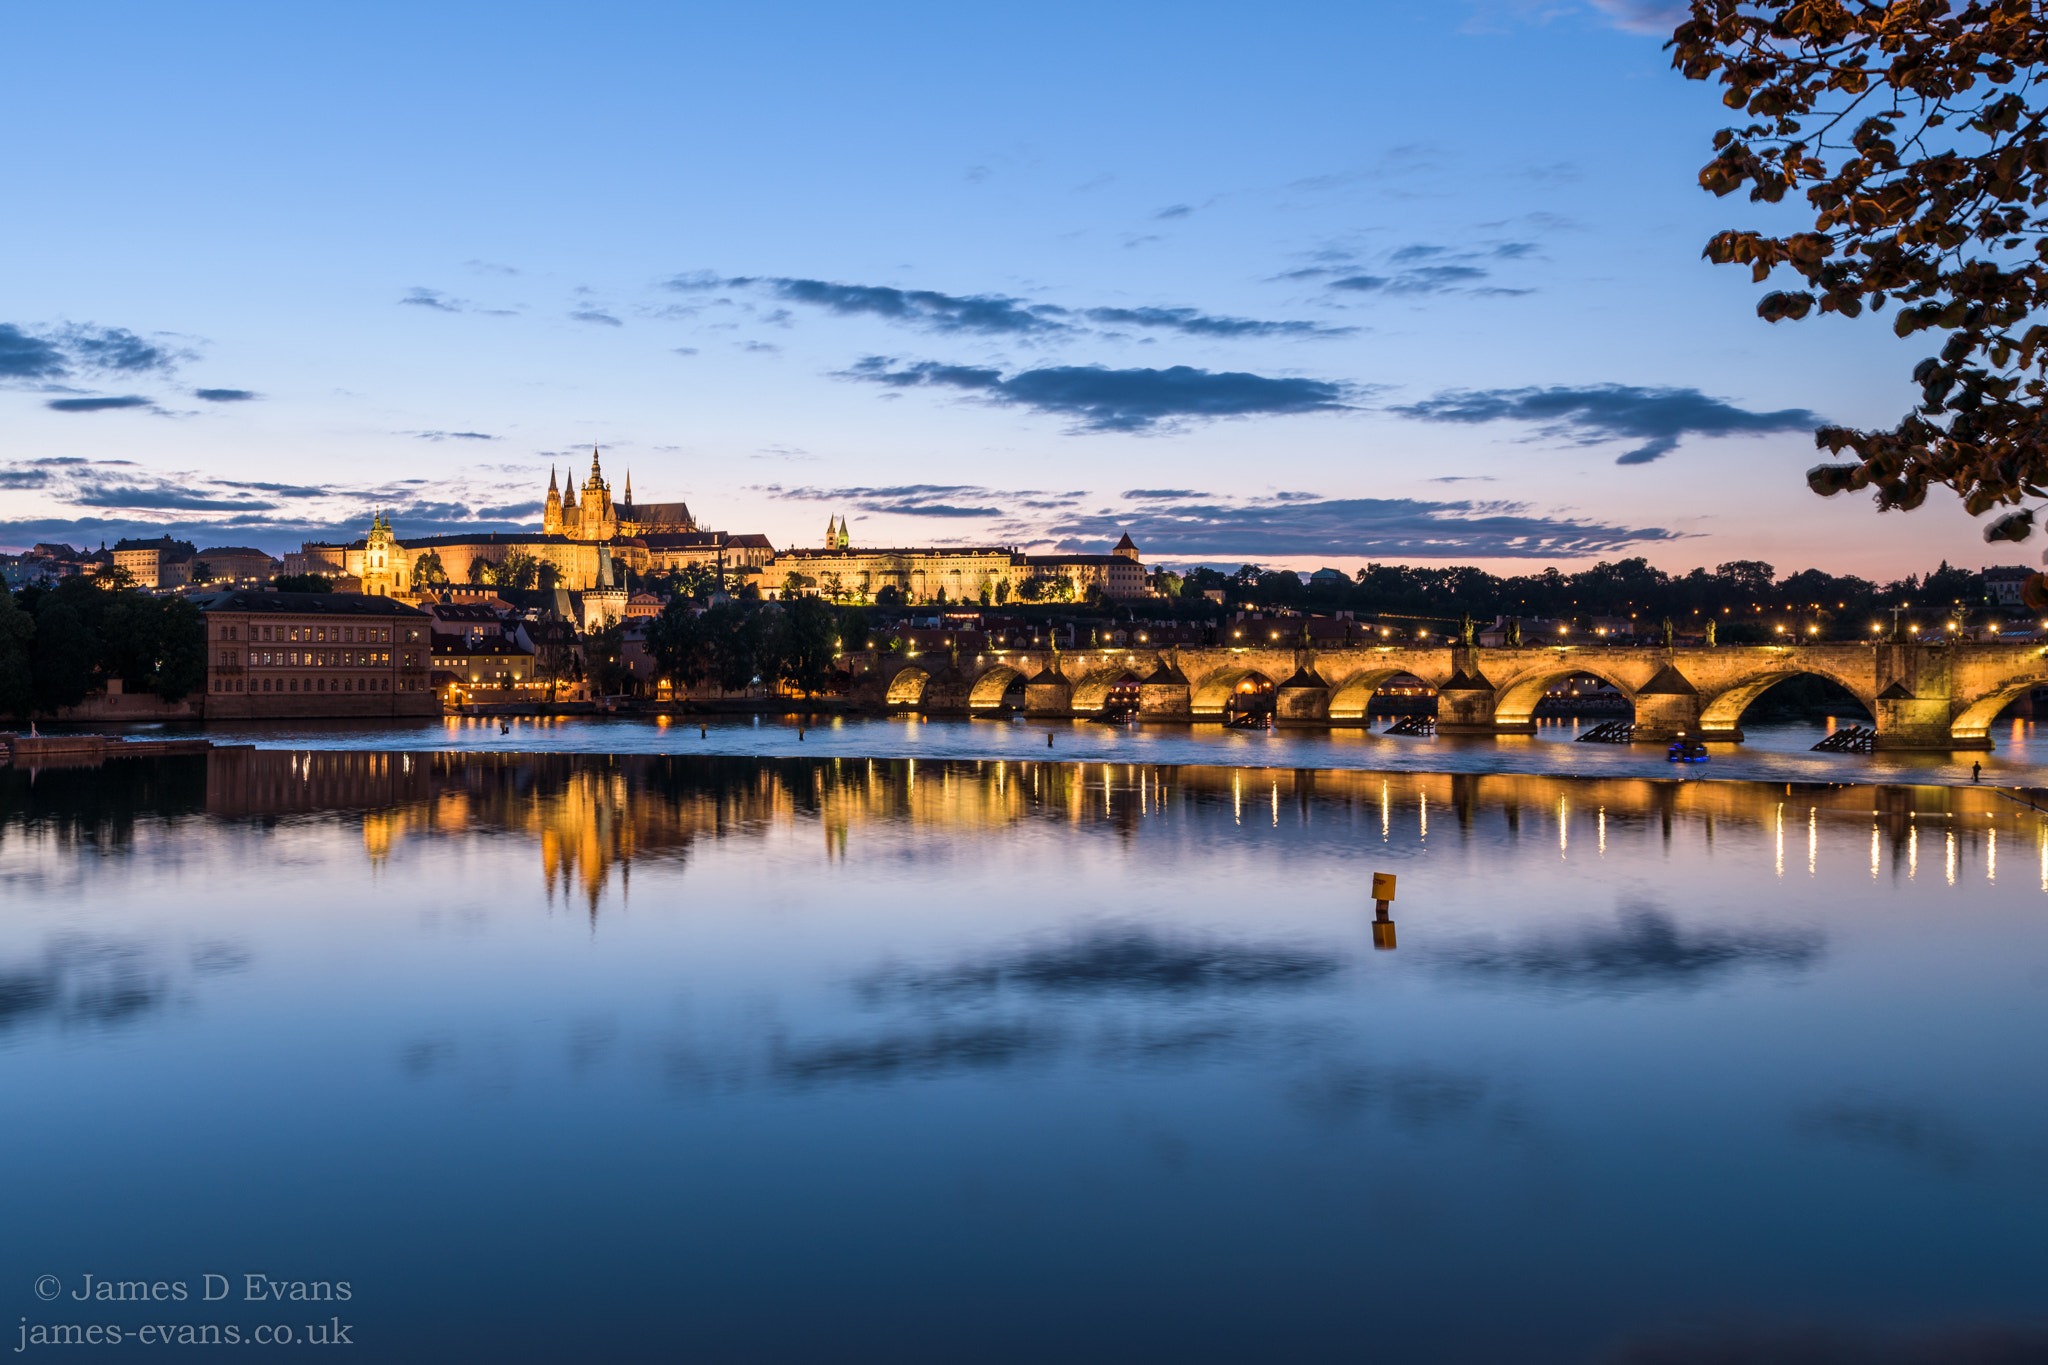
1934	696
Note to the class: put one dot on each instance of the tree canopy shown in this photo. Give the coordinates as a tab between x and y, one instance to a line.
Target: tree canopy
1918	133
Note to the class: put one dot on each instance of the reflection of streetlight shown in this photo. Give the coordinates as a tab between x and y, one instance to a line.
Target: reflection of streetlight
1813	630
1876	626
1781	629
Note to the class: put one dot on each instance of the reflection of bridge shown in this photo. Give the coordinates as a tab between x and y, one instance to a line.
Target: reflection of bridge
1937	696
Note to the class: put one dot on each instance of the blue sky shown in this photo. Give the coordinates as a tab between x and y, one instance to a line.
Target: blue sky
1298	283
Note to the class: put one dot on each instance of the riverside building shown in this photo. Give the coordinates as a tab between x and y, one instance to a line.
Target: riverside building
297	655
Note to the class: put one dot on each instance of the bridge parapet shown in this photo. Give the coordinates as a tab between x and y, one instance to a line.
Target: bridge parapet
1940	697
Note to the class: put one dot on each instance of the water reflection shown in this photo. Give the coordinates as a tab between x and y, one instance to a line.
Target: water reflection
1104	1050
1645	950
590	817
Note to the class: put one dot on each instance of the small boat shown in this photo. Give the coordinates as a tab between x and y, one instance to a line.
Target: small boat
1687	751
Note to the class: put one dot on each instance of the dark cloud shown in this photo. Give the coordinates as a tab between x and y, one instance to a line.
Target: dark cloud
1658	417
596	315
225	395
98	404
1154	494
114	350
1368	527
1645	950
998	314
1116	961
166	497
24	355
24	478
1195	323
1427	279
986	313
290	490
910	500
512	511
433	298
454	435
1130	400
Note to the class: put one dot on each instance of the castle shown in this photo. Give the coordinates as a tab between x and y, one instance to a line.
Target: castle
598	518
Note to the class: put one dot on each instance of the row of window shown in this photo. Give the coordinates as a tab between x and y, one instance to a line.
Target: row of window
319	685
322	635
310	658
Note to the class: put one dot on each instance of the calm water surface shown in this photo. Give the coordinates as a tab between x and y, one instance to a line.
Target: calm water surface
569	1057
1770	752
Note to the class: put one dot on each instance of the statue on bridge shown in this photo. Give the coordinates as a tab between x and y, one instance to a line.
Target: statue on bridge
1466	629
1514	633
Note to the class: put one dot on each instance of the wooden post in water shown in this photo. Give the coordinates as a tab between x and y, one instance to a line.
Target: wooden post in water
1382	926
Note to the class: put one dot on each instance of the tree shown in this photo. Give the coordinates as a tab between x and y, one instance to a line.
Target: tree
17	659
481	570
677	643
804	644
793	584
112	576
302	582
733	632
554	659
202	572
518	570
605	648
854	630
888	595
1919	135
428	570
1031	589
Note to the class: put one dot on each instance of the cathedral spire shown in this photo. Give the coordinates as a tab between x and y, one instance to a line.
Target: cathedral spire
629	488
551	479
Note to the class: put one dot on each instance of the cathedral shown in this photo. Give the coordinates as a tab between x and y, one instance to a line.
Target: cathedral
597	518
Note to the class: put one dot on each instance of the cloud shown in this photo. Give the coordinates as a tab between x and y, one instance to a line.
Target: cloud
909	500
167	498
225	395
1653	18
1130	400
1428	279
98	404
997	314
1326	528
1154	494
1175	211
1194	323
596	315
24	478
512	511
113	350
453	435
53	353
24	355
1658	417
433	298
1646	950
984	313
288	489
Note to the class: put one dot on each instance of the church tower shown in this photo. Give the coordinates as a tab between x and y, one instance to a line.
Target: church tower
599	522
845	541
832	533
551	518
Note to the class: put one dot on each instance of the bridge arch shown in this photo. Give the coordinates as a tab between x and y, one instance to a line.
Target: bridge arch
1515	702
1723	710
1350	697
1093	688
1973	726
988	689
907	687
1216	689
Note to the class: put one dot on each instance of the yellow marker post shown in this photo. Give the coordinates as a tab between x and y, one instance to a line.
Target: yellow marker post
1382	926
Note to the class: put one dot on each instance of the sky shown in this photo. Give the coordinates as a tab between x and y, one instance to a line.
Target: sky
1298	284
